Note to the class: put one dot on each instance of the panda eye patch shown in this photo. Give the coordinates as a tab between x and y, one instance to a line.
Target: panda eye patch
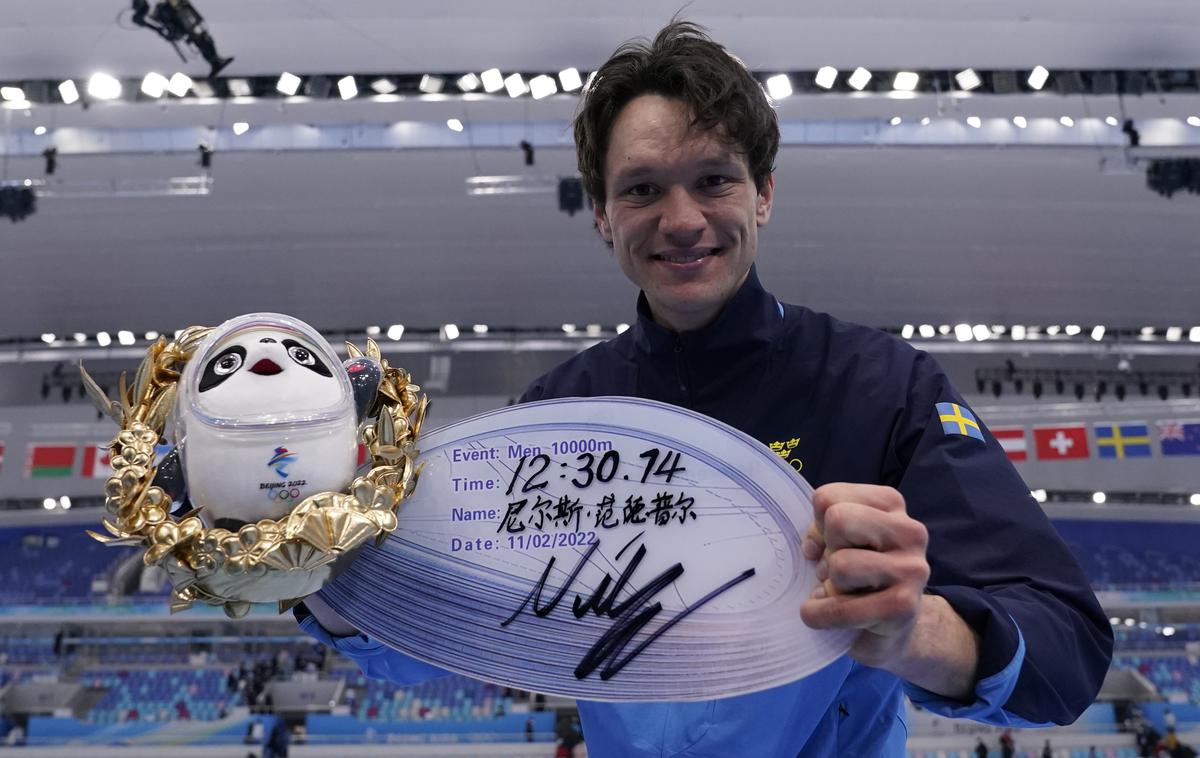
305	357
222	367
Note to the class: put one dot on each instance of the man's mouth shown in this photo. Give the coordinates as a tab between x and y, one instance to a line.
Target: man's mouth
266	367
686	257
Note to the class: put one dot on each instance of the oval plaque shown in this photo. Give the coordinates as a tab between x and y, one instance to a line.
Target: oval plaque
601	548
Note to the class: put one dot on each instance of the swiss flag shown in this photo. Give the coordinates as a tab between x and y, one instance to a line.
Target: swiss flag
1057	443
1012	439
95	462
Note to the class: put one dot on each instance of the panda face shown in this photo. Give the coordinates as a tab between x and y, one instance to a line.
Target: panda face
265	371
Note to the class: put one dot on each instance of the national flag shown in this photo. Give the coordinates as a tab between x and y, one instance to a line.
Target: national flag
1012	439
1128	440
96	463
1057	443
958	419
46	461
1179	437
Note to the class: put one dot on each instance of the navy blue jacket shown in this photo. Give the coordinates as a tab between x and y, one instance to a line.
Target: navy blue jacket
847	403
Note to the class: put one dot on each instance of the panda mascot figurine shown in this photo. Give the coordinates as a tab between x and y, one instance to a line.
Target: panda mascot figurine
266	416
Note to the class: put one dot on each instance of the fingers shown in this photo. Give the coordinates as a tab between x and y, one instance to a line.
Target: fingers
876	611
849	524
850	570
874	495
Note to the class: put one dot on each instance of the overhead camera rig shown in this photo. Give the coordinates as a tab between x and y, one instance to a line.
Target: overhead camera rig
178	21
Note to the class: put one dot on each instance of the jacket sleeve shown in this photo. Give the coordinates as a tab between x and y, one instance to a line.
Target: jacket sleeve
374	658
1046	644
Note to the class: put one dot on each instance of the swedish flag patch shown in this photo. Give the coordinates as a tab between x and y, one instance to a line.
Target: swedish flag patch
957	419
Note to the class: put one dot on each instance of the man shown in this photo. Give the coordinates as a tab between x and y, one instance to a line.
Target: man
926	539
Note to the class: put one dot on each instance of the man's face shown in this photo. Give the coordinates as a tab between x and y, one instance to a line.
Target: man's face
682	211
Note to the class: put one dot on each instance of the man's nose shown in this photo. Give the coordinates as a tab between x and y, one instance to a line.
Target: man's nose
682	220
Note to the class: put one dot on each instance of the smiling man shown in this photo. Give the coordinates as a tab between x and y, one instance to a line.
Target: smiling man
926	539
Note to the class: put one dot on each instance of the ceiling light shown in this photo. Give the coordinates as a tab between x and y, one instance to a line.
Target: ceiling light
493	80
102	339
622	328
454	124
347	87
1168	631
288	84
515	85
925	120
1193	120
125	337
1052	330
1098	332
542	86
927	331
1037	77
944	329
12	94
468	82
569	79
48	338
1195	499
1147	331
450	331
1072	330
382	86
1174	333
906	332
395	331
1066	121
593	330
568	328
68	91
981	332
203	89
826	76
480	328
1039	495
1018	332
430	85
905	81
1099	497
154	84
895	121
240	128
779	86
179	84
967	79
239	87
859	78
1194	334
49	503
974	121
39	131
963	332
79	337
103	87
1111	120
64	502
1020	122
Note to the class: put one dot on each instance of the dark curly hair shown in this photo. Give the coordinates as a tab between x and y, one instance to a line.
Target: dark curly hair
684	63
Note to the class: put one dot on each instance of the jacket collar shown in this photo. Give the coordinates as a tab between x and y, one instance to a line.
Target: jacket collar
751	317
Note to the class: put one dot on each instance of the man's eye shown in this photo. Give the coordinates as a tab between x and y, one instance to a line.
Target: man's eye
640	190
714	181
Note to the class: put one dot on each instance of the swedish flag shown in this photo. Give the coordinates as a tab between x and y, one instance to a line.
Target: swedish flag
957	419
1123	440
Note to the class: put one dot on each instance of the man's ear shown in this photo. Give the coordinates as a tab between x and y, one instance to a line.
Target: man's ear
601	220
766	195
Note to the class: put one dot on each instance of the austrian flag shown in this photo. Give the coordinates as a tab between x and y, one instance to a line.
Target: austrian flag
1012	439
1057	443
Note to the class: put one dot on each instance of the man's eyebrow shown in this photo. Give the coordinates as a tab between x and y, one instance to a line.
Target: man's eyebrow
639	170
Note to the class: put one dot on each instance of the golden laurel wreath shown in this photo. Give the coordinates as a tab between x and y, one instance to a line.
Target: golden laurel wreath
267	561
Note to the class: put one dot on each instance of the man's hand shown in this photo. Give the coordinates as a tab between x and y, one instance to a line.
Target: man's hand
871	563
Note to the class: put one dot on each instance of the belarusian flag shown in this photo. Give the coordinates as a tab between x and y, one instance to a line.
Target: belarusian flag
1012	439
95	462
50	461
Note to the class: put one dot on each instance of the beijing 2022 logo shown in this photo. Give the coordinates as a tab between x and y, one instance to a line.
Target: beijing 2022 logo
287	489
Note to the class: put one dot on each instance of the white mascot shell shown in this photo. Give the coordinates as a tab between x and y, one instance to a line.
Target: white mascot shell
265	418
